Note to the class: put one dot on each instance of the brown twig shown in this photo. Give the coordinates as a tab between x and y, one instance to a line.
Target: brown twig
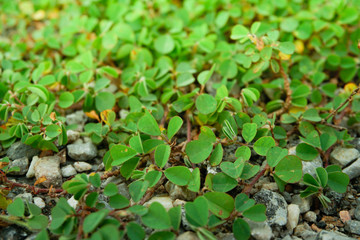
248	187
287	89
348	100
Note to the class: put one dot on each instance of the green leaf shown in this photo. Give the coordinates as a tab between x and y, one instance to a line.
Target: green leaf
263	145
147	124
184	79
16	208
241	229
104	101
156	217
243	202
162	154
289	169
338	181
238	32
198	150
178	175
164	235
220	204
327	140
194	183
153	177
249	131
53	130
287	47
91	199
256	213
121	154
66	99
275	154
232	169
118	201
137	190
217	155
164	44
94	219
312	115
175	217
206	104
174	126
134	231
223	182
306	152
243	152
197	212
322	176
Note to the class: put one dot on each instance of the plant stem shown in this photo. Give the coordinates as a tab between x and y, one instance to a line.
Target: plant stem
248	188
348	100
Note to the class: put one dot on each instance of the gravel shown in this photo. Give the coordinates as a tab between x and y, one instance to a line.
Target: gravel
19	150
49	167
276	206
82	151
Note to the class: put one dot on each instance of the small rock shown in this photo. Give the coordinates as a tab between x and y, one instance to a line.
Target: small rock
229	153
123	113
335	199
39	202
82	152
308	166
293	216
187	236
82	166
344	216
20	150
25	197
303	203
353	226
113	179
276	206
179	202
327	235
343	156
68	171
49	167
310	216
304	231
79	118
72	135
260	230
225	236
353	170
211	169
124	190
12	232
178	192
165	201
31	172
22	163
72	202
270	186
357	212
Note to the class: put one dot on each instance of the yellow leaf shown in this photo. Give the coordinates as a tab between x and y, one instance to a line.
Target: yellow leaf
284	56
104	116
92	115
53	116
299	46
40	180
350	87
4	202
296	109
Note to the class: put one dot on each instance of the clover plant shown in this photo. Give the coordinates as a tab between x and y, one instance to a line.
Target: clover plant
207	96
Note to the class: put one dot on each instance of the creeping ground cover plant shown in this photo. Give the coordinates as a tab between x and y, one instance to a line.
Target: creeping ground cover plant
176	119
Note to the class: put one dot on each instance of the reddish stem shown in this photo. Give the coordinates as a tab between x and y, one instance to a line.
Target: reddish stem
248	188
